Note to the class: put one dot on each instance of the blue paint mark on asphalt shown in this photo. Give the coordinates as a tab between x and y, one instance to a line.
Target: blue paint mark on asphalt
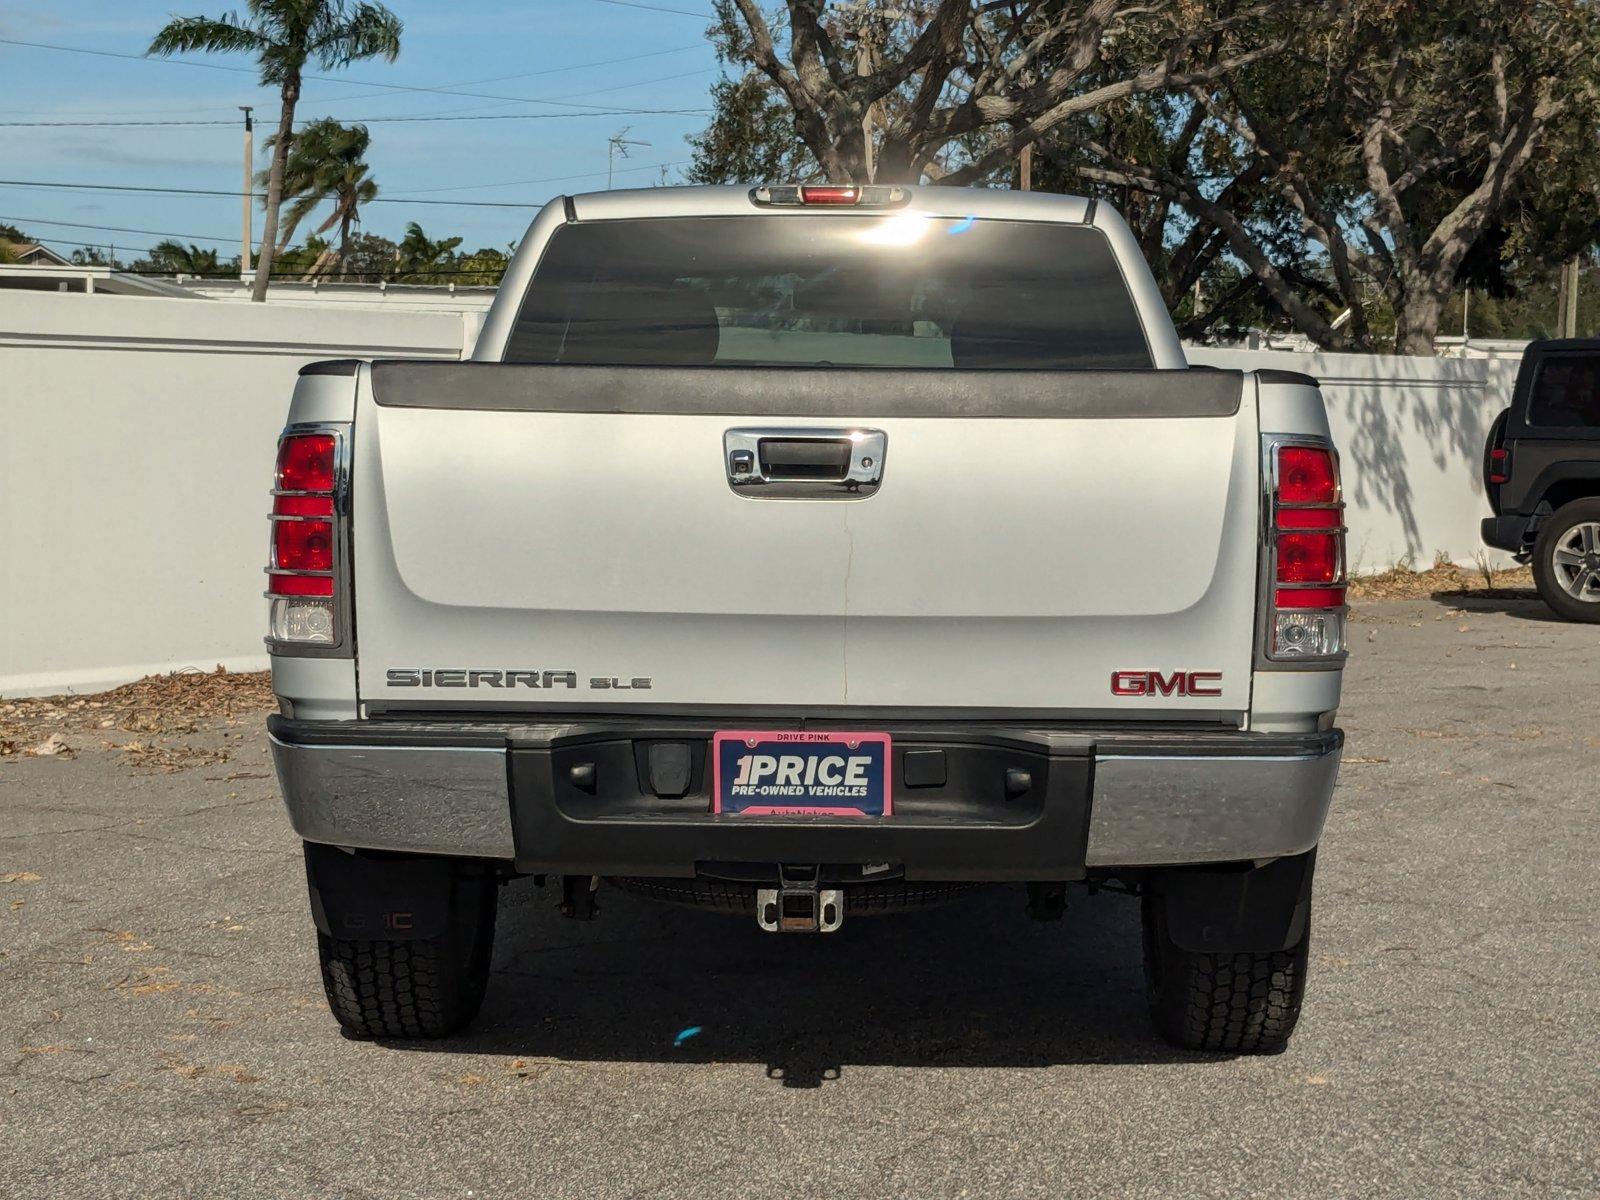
685	1034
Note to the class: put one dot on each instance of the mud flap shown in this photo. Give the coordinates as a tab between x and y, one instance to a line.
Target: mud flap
1238	910
392	897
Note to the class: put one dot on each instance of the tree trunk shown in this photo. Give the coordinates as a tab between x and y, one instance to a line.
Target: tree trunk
280	156
1417	322
344	240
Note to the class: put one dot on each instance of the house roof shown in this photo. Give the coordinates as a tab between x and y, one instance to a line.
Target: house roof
33	252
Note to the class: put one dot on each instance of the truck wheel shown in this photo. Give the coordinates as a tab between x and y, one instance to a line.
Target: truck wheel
1566	561
404	943
1243	1003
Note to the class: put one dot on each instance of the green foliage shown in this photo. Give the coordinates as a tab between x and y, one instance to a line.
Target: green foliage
327	161
751	137
482	268
420	259
284	35
10	237
174	258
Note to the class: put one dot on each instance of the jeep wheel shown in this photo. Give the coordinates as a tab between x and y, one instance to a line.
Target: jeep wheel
1566	561
1246	1003
424	979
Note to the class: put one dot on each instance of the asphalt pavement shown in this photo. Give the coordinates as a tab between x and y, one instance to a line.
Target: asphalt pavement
164	1032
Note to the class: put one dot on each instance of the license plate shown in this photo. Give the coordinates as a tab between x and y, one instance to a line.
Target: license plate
801	773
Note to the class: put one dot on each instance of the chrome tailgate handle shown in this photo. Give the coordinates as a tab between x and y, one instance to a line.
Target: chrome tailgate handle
804	463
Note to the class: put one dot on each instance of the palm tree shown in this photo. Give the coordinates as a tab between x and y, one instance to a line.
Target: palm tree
285	35
420	259
327	161
177	259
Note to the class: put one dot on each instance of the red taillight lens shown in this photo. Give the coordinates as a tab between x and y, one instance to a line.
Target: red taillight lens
1499	465
1308	557
302	585
302	545
302	506
829	195
305	463
1306	475
1308	518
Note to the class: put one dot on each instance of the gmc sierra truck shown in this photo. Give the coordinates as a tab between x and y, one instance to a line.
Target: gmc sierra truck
810	552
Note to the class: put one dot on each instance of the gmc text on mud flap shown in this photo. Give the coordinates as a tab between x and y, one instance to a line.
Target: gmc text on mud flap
462	677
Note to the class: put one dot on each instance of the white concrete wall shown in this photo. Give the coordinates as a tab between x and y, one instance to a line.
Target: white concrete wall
137	440
1410	432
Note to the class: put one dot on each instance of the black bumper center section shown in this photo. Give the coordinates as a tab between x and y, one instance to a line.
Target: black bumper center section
620	805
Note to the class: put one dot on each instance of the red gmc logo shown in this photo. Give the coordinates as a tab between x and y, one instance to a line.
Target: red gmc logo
1154	683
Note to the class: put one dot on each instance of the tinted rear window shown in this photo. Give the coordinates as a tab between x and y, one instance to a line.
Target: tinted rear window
899	290
1566	391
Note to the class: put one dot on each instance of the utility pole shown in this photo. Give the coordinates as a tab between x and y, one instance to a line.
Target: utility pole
1025	167
249	190
1567	299
618	143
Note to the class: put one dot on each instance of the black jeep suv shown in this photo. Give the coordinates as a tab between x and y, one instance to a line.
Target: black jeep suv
1541	469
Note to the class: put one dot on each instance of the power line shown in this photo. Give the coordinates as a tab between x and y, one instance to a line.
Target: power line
682	12
195	237
234	195
50	185
472	187
613	112
602	62
393	87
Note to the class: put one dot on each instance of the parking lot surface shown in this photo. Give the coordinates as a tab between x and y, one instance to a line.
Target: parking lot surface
165	1032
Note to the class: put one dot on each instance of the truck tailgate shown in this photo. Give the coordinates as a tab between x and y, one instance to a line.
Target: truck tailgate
557	536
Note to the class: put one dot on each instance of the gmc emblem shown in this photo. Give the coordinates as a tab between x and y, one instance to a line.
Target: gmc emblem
1154	683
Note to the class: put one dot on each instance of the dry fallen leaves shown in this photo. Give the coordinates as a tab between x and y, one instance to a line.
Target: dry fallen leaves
20	877
158	704
52	746
167	759
1403	583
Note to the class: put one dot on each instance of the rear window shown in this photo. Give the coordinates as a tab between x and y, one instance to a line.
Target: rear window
1566	392
900	290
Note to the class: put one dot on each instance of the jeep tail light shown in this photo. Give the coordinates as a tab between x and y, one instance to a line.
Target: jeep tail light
305	563
1306	552
1499	465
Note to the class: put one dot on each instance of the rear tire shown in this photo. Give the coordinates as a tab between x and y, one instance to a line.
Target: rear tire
1568	533
1243	1003
409	987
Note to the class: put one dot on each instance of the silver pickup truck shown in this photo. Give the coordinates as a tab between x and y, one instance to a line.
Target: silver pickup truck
809	553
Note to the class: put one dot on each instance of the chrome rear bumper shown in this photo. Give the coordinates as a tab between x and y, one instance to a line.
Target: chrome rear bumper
1121	799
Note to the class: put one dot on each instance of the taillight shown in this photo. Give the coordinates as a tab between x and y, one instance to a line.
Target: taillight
303	572
305	463
1499	465
1306	548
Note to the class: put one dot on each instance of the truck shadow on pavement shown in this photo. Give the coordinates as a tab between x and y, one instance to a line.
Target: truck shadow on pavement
974	984
1521	603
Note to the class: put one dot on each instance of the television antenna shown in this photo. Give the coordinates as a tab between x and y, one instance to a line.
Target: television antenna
617	145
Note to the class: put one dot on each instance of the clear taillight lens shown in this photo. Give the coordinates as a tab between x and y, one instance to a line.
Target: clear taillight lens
1307	548
302	571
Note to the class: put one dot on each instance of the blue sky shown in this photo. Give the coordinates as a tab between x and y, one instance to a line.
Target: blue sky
446	45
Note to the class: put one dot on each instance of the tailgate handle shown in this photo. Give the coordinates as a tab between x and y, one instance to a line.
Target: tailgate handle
804	463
